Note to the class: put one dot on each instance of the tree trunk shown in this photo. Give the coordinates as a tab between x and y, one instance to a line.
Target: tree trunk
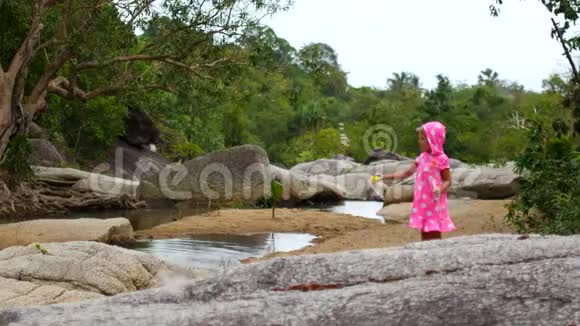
7	124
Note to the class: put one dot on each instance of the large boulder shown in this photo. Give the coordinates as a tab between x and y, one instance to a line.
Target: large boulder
479	182
358	186
485	182
401	193
45	154
381	154
481	280
239	174
343	157
298	187
328	167
73	271
113	231
384	167
135	163
140	129
455	164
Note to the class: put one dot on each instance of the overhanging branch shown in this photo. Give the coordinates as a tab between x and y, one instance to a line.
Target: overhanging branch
63	88
145	57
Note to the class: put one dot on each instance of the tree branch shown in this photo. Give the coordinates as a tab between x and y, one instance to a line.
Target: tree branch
62	87
560	37
145	57
41	86
25	51
127	58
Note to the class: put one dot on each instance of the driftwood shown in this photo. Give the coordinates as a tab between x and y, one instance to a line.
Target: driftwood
57	191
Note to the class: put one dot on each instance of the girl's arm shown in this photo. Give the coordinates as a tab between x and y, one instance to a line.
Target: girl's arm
445	185
401	175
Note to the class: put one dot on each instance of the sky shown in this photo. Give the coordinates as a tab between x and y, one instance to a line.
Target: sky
459	38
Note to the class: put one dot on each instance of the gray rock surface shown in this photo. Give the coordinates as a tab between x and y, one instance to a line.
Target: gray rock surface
45	154
75	271
381	154
482	280
456	164
485	182
113	231
135	163
343	157
239	174
358	186
332	167
384	167
298	187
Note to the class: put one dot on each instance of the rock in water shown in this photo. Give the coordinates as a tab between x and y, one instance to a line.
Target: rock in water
45	154
113	231
482	280
239	174
73	271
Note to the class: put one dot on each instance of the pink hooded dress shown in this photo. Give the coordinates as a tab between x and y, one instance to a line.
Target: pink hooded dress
430	214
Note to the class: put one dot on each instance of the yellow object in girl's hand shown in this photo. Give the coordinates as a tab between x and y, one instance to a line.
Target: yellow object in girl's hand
376	178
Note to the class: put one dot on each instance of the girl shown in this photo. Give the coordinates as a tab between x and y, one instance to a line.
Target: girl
430	214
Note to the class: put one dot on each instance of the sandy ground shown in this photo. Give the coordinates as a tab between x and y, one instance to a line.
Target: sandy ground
336	232
246	221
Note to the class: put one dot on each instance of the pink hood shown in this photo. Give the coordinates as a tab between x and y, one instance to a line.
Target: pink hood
435	133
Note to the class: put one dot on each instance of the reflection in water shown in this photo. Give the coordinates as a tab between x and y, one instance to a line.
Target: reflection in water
368	209
214	252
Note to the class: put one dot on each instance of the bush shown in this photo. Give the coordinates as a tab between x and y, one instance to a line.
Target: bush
175	146
549	198
17	159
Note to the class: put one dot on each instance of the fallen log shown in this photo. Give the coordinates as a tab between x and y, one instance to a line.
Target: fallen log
59	191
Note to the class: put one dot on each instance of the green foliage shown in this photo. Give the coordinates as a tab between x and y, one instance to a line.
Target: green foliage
175	146
88	129
549	198
291	101
314	145
17	159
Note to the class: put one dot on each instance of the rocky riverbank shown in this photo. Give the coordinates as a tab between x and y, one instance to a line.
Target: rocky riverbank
74	271
482	280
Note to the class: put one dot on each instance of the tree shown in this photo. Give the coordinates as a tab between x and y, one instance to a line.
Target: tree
488	77
555	84
438	100
63	42
566	14
320	61
403	81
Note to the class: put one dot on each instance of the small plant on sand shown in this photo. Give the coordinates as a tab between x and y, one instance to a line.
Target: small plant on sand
277	191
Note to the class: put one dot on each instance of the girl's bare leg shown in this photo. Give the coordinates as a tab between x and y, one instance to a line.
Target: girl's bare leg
430	236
